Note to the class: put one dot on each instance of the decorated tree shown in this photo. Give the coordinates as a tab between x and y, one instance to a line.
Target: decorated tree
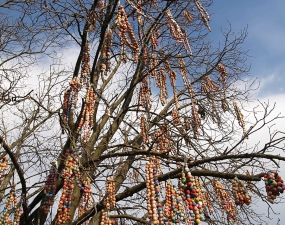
146	127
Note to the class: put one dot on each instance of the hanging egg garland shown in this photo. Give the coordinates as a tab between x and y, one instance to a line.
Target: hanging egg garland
195	120
173	209
240	192
50	188
70	173
192	195
85	200
175	117
186	80
239	116
144	95
274	185
110	199
225	105
85	65
161	83
109	202
124	27
11	203
161	139
151	195
3	168
187	15
225	201
75	87
156	170
223	72
105	220
65	109
106	53
204	14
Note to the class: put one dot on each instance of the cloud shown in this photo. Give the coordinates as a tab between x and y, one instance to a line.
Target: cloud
262	137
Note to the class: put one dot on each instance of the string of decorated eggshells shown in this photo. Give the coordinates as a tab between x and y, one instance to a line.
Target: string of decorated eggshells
161	140
274	185
110	199
173	209
11	205
50	188
3	168
240	192
172	76
187	15
154	39
175	117
106	52
210	88
70	173
204	14
178	34
109	202
186	80
105	220
223	72
151	203
195	120
139	12
144	95
124	27
144	130
86	199
71	94
239	116
153	65
192	195
161	84
225	201
208	203
85	65
154	201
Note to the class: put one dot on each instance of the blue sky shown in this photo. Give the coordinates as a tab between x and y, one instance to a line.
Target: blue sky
265	41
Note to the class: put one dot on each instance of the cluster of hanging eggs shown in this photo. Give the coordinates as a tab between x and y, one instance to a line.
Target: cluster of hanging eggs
50	188
109	202
274	185
86	122
124	27
69	173
180	205
192	195
11	204
240	192
225	201
154	205
105	220
3	168
239	117
86	199
110	199
173	208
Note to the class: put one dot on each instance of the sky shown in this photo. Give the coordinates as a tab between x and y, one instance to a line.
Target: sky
265	42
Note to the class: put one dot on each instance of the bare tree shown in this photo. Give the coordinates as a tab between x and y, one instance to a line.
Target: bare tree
147	127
